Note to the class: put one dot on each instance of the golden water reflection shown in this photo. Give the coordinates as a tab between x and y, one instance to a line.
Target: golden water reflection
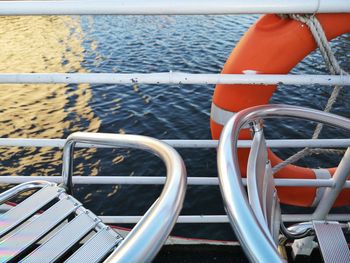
41	44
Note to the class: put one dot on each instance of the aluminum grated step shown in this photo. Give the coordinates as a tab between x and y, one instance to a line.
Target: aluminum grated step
27	208
332	242
21	245
96	248
29	234
69	235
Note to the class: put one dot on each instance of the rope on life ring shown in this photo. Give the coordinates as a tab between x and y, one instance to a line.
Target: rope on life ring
274	46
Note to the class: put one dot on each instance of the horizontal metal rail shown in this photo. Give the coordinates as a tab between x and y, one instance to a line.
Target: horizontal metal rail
210	219
214	219
158	180
217	219
173	78
299	143
170	7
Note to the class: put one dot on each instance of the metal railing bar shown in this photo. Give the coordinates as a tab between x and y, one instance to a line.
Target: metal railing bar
290	143
181	219
219	218
172	7
171	78
202	219
216	219
212	219
154	180
329	196
308	217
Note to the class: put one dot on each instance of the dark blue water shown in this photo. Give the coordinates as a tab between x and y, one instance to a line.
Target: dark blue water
143	44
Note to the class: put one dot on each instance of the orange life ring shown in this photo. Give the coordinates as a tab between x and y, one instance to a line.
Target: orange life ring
273	46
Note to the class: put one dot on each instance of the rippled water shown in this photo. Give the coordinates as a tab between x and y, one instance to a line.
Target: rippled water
195	44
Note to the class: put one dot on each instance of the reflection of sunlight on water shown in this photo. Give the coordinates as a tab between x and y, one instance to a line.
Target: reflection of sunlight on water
41	44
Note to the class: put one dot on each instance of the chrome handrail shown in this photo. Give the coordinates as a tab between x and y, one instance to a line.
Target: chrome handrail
254	241
24	187
150	233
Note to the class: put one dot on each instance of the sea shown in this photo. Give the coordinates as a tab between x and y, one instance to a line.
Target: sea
138	44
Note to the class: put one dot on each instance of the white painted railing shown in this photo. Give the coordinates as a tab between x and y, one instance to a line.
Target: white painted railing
171	7
293	143
172	78
156	180
192	219
208	219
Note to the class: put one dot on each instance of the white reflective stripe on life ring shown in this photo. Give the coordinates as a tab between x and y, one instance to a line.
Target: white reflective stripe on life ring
320	174
220	116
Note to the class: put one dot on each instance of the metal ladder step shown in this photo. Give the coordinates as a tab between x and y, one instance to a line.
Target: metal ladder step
27	208
32	232
96	248
63	240
332	242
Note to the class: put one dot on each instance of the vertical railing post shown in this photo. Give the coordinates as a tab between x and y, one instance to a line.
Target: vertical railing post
331	194
67	165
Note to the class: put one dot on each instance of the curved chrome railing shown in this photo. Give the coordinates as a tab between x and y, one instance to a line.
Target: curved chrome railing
150	233
24	187
254	241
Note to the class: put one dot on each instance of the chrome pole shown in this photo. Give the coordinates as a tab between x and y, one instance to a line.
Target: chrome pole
330	195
